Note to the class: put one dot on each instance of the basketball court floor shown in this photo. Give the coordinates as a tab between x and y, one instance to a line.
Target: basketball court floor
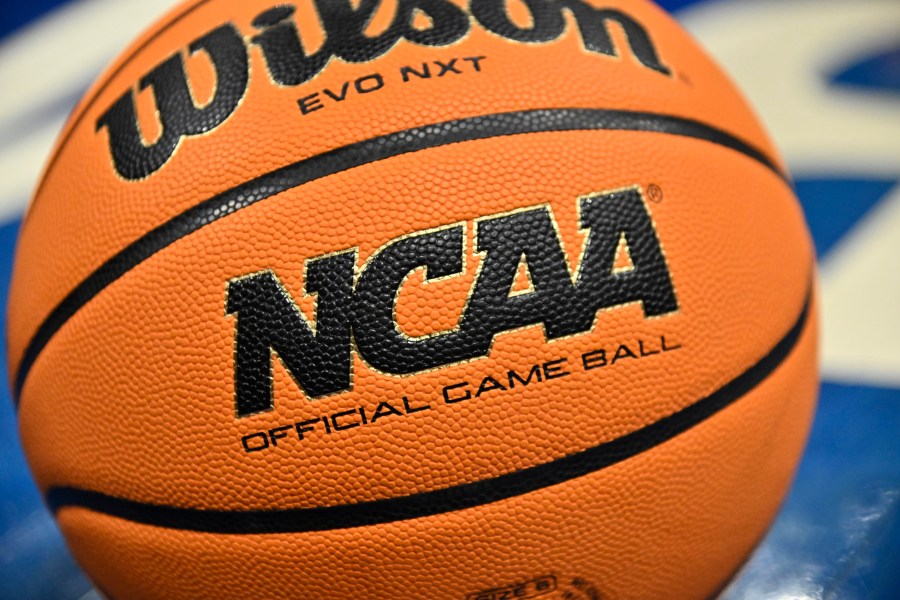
825	77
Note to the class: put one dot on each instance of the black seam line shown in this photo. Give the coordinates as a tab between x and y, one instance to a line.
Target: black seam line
355	155
445	500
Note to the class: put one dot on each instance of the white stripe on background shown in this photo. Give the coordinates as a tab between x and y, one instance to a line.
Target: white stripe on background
44	69
861	301
780	53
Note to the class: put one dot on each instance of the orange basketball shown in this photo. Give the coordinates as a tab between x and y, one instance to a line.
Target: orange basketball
462	300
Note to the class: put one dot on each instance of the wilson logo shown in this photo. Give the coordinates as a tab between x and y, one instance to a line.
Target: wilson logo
357	309
289	63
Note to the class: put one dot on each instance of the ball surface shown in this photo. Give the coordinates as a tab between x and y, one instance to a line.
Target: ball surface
413	298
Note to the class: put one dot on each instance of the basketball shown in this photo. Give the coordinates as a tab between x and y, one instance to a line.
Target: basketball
444	299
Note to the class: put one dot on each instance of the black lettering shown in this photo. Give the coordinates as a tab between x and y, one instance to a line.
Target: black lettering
278	434
341	427
665	346
476	61
375	83
622	352
255	447
384	409
553	369
593	24
449	67
548	24
378	340
644	352
269	322
488	384
547	19
609	217
310	103
513	377
547	583
285	56
594	359
455	398
491	310
449	23
344	23
289	62
413	409
425	73
305	427
344	89
178	115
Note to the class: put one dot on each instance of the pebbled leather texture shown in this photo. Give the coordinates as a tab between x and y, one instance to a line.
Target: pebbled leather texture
541	320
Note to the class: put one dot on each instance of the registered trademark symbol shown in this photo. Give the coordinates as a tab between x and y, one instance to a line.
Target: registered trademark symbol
654	193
